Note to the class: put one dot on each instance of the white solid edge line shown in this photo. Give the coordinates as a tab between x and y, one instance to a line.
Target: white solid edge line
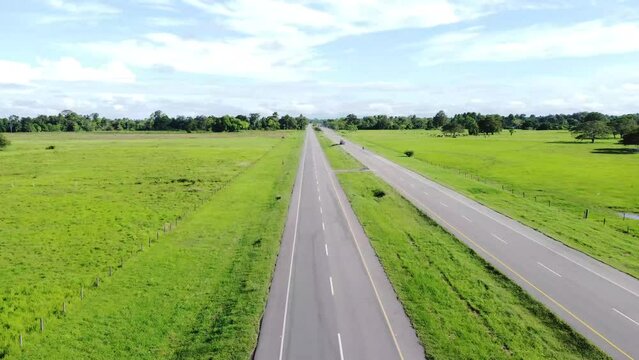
341	351
361	256
290	269
498	238
549	269
330	279
626	316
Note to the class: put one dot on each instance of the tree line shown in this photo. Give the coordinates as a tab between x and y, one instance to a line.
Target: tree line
584	125
158	121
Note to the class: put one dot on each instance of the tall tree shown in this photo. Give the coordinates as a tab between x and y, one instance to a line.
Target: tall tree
159	121
594	126
490	124
622	125
440	119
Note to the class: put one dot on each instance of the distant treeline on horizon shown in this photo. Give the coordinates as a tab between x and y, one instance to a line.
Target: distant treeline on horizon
476	123
158	121
472	122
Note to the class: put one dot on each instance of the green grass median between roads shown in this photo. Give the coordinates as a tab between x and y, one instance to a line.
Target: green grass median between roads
543	179
196	292
460	306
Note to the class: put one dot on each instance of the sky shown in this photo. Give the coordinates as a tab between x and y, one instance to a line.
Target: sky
320	58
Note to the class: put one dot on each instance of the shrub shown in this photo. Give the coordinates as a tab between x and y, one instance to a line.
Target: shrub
379	193
409	153
50	147
4	142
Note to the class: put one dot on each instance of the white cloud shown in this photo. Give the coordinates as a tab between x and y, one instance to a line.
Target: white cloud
276	39
249	57
381	108
66	70
12	72
169	22
337	18
167	5
83	7
584	39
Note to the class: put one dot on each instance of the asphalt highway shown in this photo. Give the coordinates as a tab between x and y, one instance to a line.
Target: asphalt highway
597	300
330	298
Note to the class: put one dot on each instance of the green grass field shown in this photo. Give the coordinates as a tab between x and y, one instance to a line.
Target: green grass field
456	316
542	178
92	203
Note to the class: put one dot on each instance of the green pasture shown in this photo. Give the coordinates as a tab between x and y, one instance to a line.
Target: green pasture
73	215
459	305
543	178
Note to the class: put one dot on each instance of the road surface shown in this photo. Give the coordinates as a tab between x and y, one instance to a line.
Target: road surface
330	298
595	299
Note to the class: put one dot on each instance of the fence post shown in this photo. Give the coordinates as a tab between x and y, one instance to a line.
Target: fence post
110	270
64	307
41	325
586	214
82	292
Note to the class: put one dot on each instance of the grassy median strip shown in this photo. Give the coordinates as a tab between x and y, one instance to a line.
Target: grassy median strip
460	306
199	291
542	178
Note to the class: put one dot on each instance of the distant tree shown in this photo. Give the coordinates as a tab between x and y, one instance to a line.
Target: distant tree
490	124
272	122
352	120
440	119
594	126
453	128
511	131
473	128
254	119
159	121
301	122
287	122
4	142
631	138
623	124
